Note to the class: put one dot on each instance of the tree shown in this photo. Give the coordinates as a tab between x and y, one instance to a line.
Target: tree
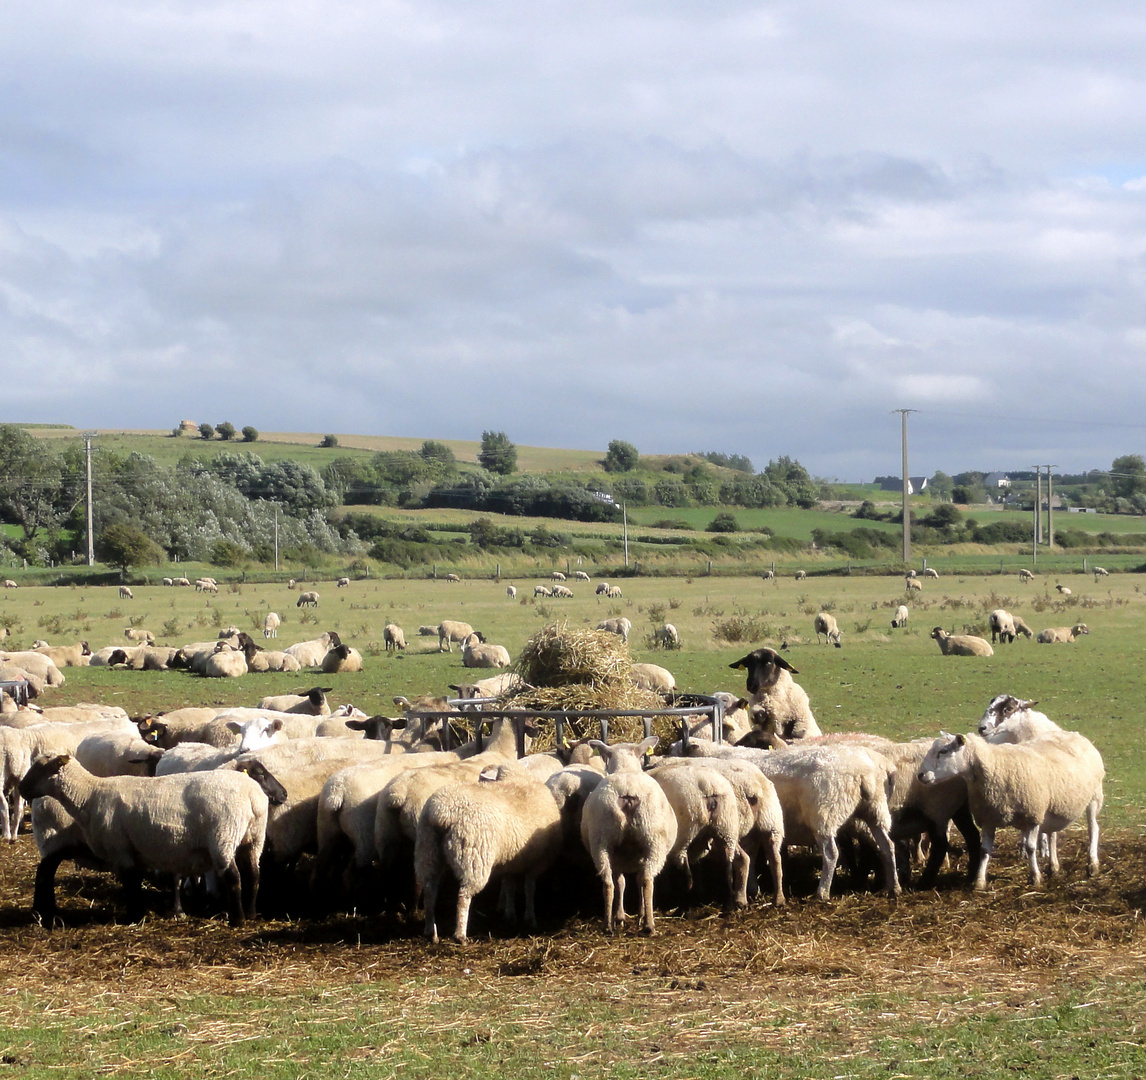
940	486
125	546
206	431
439	452
1128	476
497	453
250	434
31	483
621	457
329	441
226	430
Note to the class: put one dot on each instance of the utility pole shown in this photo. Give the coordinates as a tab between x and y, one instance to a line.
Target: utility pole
88	457
1050	507
1038	503
276	537
625	518
906	489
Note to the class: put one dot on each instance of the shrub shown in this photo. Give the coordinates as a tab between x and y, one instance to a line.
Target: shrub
723	523
206	431
250	434
328	441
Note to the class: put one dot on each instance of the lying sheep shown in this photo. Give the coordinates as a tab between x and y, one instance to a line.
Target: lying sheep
271	625
1064	590
628	827
307	599
507	823
652	677
825	623
312	703
777	703
1047	783
125	593
225	663
181	825
341	658
259	659
393	637
144	636
311	653
77	655
427	631
961	644
619	625
449	631
37	664
900	618
476	653
1062	634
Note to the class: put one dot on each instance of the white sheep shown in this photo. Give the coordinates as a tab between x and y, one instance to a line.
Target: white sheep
961	644
562	592
449	631
453	578
312	703
777	703
580	575
1062	634
125	593
801	575
1011	719
1046	783
667	637
225	663
825	623
393	637
117	753
342	582
10	584
341	658
913	584
494	686
476	653
311	653
542	590
77	655
557	576
511	591
182	825
144	636
769	575
613	592
507	823
307	599
271	625
1002	624
652	677
37	664
1064	590
1026	575
1100	571
602	588
167	582
619	626
900	618
628	827
930	572
1022	628
259	659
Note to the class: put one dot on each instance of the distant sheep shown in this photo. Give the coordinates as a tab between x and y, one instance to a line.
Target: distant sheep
961	644
1062	634
125	593
667	637
307	599
901	615
393	637
427	631
271	625
541	590
557	576
1026	575
511	592
453	577
602	588
580	575
912	583
10	584
769	575
825	623
145	636
1064	590
1100	571
1002	624
619	626
562	591
613	592
449	631
931	572
801	575
342	582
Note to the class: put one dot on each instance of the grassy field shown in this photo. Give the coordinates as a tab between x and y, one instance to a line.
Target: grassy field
938	984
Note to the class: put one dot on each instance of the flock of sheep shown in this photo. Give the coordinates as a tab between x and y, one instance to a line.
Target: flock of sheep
225	794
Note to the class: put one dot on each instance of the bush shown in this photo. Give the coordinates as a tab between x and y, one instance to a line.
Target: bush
723	523
226	430
206	431
328	441
250	434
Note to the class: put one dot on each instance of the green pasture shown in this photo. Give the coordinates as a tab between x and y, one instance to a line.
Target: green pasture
894	682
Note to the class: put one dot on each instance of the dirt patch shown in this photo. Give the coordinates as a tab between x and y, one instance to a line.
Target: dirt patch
1010	940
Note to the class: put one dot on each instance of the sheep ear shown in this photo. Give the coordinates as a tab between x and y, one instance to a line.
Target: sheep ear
741	663
602	748
647	746
785	665
276	724
1027	704
402	702
234	726
961	740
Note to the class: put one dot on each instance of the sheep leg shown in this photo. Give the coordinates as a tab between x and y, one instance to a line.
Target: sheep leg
233	885
774	855
430	905
465	898
965	823
619	899
529	886
248	863
737	875
646	880
986	850
44	895
507	899
829	857
5	817
133	890
1092	838
1031	850
1052	852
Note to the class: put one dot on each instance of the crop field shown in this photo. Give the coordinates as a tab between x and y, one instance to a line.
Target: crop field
941	983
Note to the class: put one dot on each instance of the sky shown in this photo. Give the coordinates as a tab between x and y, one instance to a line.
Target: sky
757	228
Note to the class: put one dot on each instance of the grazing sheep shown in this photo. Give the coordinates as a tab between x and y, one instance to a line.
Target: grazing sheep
207	585
183	825
542	590
271	625
652	677
1100	571
961	644
628	827
449	631
291	583
1046	783
777	704
769	575
930	572
620	626
312	703
580	575
562	591
10	584
613	592
911	584
311	653
1002	624
1022	628
511	591
341	658
506	823
307	599
182	582
393	637
452	578
1061	634
556	576
166	582
342	582
1026	575
801	575
125	593
666	637
477	654
900	619
825	623
602	588
145	636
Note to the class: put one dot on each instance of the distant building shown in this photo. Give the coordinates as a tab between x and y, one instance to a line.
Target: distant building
915	484
996	480
187	427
